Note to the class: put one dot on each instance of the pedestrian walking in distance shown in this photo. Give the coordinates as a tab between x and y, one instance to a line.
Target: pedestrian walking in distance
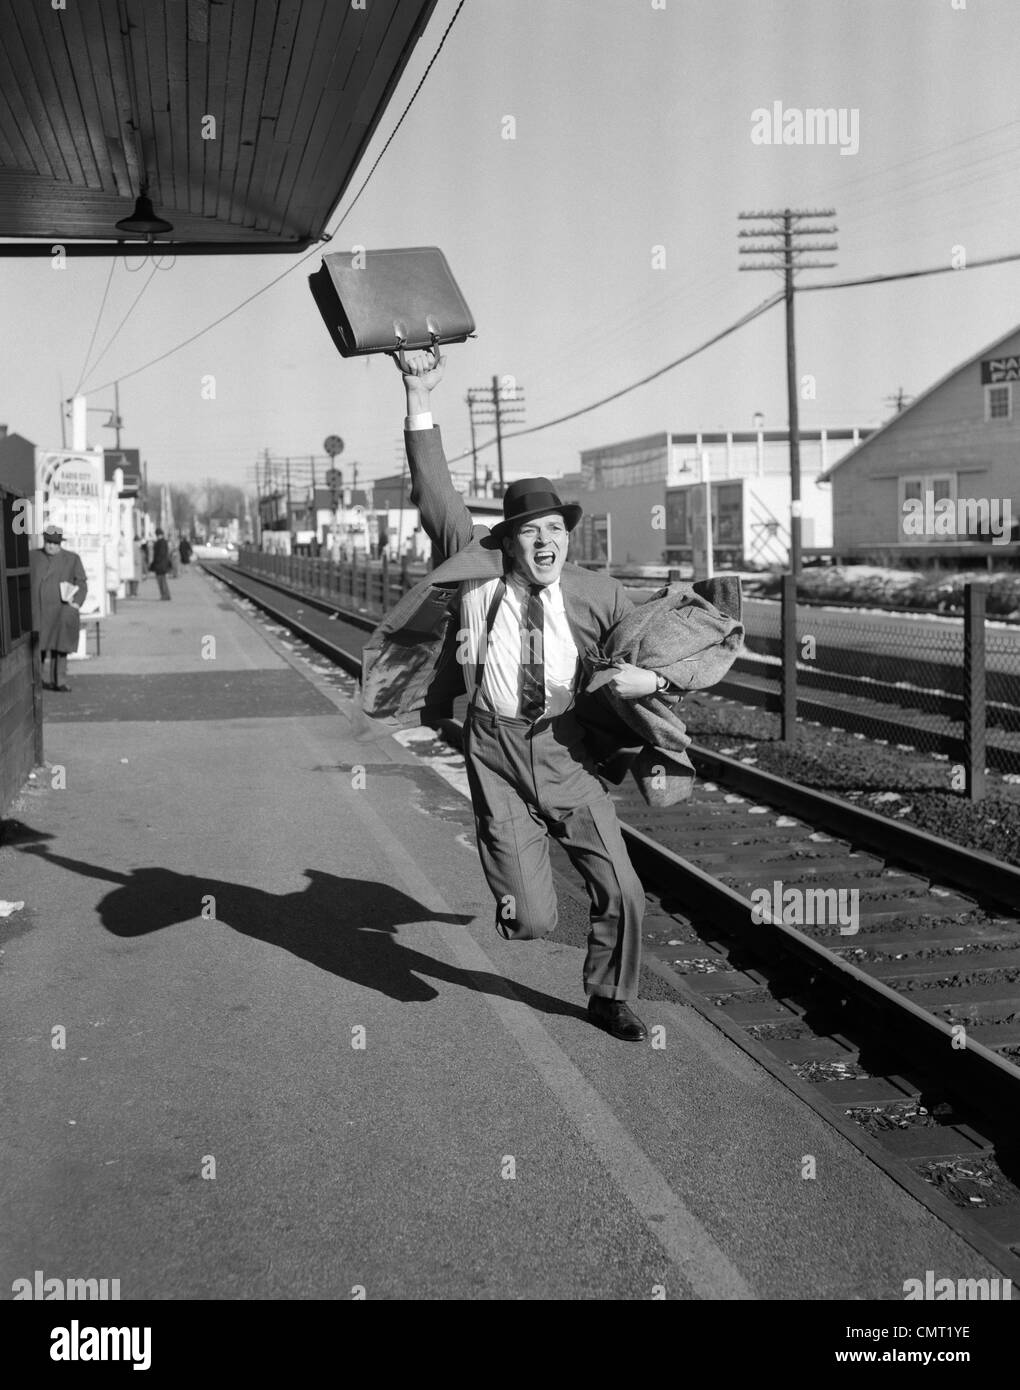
529	772
59	587
161	564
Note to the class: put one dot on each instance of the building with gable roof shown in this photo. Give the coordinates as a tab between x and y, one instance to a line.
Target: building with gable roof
941	479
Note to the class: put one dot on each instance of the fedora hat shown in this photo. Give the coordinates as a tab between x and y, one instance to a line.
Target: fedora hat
533	497
53	533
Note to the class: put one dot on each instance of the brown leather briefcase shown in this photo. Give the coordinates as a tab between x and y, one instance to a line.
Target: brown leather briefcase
384	301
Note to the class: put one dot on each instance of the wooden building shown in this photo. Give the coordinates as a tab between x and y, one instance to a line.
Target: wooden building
933	480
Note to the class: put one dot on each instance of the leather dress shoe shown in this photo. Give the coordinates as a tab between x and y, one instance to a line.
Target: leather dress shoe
62	687
617	1018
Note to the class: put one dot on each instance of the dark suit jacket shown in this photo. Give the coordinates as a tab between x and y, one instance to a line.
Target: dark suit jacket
409	663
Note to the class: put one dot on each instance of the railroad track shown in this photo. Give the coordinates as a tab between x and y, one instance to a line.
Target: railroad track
897	1015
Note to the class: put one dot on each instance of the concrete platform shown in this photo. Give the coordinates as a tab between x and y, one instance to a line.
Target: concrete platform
298	1059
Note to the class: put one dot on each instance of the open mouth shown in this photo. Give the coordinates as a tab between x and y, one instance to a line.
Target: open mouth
545	559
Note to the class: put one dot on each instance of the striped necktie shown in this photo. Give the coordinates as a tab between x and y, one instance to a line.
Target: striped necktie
532	663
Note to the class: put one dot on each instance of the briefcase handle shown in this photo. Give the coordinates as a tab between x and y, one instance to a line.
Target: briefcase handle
398	351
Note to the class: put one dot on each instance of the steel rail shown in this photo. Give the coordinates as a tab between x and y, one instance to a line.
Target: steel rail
970	869
973	1072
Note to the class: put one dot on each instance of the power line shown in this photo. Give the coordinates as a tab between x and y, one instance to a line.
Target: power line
916	158
912	274
328	236
605	400
124	376
95	328
116	331
733	327
407	108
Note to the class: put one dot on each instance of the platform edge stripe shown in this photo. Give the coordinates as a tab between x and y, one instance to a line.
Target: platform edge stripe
705	1268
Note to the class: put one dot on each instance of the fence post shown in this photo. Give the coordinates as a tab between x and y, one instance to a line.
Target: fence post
788	682
385	582
974	689
405	581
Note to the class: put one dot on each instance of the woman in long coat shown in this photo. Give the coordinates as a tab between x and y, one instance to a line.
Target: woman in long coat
56	621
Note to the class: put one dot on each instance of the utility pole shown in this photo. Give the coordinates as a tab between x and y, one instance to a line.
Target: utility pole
268	483
470	398
117	422
288	498
496	405
499	433
315	509
784	250
257	539
900	400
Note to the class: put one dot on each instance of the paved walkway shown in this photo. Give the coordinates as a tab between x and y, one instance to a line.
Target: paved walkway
299	1059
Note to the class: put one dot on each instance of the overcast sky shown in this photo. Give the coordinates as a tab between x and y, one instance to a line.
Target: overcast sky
633	130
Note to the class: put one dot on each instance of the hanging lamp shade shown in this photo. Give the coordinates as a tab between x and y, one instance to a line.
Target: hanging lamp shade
143	221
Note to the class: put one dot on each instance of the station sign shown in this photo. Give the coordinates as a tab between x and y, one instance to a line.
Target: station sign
996	369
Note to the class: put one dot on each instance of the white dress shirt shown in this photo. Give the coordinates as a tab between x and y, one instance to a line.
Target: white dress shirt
501	682
413	423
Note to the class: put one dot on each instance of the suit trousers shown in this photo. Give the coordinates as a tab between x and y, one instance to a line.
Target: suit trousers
530	781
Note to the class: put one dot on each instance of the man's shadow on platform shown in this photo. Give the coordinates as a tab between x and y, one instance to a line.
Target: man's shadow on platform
346	926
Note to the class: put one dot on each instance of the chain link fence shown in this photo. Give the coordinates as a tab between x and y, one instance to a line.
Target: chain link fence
933	684
938	685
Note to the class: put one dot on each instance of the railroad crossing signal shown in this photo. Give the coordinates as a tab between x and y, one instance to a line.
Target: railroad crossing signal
334	478
333	445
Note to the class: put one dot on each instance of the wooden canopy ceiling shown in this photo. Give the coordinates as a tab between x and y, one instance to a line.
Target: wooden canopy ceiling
102	97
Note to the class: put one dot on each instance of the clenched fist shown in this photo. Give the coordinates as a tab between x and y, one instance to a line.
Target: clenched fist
633	682
420	368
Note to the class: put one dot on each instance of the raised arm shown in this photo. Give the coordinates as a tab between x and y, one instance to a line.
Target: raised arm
446	520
